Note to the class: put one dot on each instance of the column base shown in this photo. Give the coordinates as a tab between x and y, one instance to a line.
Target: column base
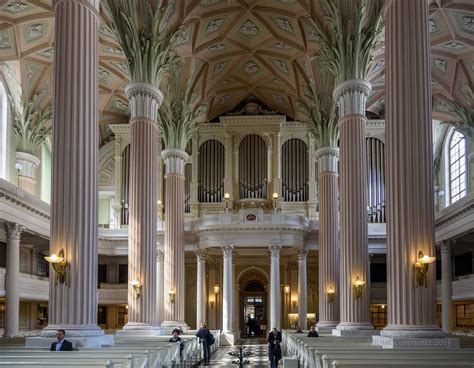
354	329
415	342
169	326
228	338
326	327
140	329
354	333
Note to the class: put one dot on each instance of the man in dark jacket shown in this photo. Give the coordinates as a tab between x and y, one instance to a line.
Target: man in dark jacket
204	338
274	349
61	344
312	332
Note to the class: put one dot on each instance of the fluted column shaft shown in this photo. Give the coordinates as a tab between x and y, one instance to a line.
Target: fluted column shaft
409	167
446	287
117	207
74	202
175	161
235	319
145	100
302	290
328	260
200	288
160	290
351	98
228	290
275	300
12	280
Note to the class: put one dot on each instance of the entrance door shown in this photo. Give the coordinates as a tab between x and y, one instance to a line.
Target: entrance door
253	320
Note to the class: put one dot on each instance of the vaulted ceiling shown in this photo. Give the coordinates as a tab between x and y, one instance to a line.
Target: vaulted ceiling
233	49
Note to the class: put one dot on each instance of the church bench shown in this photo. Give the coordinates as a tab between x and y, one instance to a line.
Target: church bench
35	361
399	364
396	356
40	364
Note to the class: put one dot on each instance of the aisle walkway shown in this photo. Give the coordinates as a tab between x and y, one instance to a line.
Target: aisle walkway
221	357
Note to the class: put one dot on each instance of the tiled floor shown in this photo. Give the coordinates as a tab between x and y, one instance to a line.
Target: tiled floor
221	357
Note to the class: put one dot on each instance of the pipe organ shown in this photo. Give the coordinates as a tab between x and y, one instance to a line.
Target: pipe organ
188	169
294	170
375	180
125	184
253	167
211	172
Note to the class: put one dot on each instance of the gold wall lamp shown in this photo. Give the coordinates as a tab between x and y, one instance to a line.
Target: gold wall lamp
330	294
358	284
421	268
137	287
211	302
294	302
226	199
216	289
172	295
287	289
59	265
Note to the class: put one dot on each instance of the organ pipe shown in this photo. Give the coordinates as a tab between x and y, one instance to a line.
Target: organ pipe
375	180
188	172
253	167
211	171
295	171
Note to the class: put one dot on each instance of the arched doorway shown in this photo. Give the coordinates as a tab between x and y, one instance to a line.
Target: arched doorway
253	308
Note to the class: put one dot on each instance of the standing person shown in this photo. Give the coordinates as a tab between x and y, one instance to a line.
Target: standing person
205	338
61	344
274	348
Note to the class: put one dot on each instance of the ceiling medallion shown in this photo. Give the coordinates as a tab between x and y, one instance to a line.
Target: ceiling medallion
454	45
103	74
214	25
17	6
468	23
284	24
441	65
281	65
251	68
217	47
5	40
249	29
282	45
434	28
219	67
35	31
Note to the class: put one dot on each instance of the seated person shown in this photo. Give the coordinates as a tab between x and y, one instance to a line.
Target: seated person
299	330
61	344
312	332
176	338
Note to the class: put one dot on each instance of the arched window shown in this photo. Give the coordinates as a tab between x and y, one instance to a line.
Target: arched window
457	167
3	131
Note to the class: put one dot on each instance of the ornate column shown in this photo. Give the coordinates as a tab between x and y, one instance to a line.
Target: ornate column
12	280
27	165
175	161
351	97
117	206
160	294
302	289
201	299
235	297
275	300
446	286
194	185
328	260
227	292
410	212
145	100
74	202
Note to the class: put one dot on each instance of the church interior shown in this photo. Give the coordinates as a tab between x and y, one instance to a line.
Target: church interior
247	164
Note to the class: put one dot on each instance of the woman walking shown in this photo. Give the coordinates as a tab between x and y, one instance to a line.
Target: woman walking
274	349
206	339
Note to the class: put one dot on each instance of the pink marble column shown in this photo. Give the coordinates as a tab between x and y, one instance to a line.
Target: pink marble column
302	289
74	202
328	259
175	161
409	167
351	97
201	299
145	100
12	280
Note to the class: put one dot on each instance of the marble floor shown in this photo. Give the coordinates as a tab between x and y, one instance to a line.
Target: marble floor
258	347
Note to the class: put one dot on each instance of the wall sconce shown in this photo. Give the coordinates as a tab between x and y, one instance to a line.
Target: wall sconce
358	287
172	295
216	289
275	198
137	287
330	294
421	268
212	302
287	289
226	199
294	302
59	265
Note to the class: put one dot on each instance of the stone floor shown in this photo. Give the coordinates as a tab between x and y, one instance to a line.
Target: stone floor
221	357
